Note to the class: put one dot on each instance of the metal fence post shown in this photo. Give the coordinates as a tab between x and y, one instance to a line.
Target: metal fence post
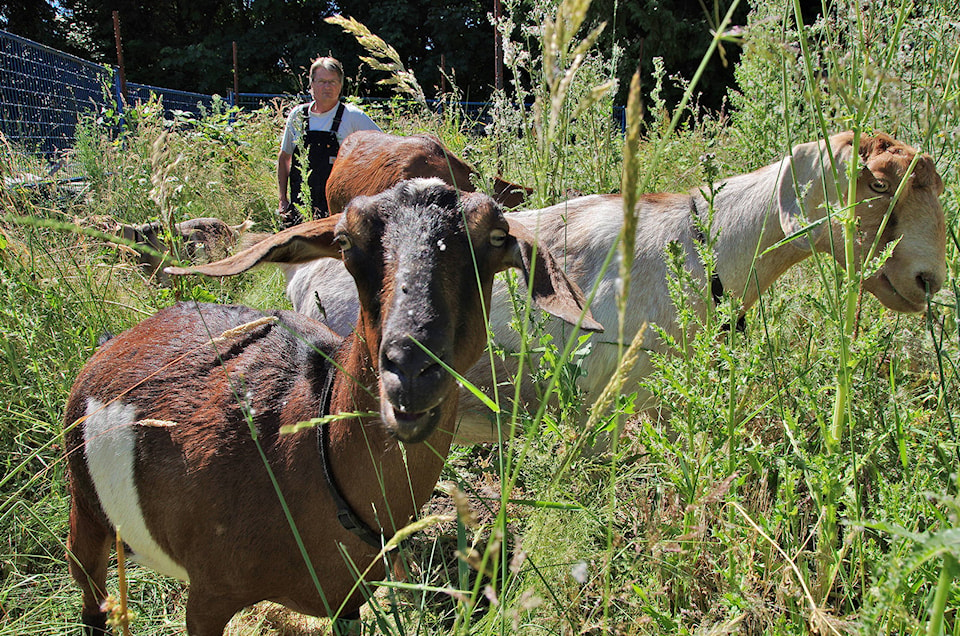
118	96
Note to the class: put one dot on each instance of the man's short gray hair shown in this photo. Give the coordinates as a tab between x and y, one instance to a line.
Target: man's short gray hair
328	63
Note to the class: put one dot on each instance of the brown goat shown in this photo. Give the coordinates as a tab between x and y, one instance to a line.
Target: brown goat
173	427
205	238
370	161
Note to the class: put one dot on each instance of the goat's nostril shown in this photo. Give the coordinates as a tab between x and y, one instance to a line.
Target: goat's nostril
389	366
928	282
409	361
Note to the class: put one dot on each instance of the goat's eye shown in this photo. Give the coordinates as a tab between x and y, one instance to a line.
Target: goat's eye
344	242
498	238
879	186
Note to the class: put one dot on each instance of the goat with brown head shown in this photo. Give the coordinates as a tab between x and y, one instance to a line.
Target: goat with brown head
370	161
205	238
173	427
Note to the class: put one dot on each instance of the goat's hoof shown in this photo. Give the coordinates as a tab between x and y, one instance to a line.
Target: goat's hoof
348	624
96	625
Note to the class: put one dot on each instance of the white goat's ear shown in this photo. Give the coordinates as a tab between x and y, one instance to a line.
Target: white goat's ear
552	291
298	244
805	176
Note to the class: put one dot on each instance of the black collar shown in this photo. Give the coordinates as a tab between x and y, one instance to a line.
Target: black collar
346	515
716	285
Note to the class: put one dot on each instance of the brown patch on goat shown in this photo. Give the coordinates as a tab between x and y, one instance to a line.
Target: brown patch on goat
369	162
661	200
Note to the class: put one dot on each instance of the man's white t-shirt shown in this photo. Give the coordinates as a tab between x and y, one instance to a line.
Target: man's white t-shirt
353	120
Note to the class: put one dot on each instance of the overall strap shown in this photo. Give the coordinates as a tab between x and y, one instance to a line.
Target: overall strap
306	117
335	127
337	118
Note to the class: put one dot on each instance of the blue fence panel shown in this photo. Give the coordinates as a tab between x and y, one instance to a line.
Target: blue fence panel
172	99
253	101
42	94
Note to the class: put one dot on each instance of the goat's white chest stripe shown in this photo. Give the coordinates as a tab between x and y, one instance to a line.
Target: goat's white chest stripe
110	449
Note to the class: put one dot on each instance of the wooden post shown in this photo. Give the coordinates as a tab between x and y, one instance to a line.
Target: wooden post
643	113
123	74
236	76
443	74
497	48
498	68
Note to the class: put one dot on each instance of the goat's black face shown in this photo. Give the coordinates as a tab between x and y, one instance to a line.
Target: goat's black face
411	251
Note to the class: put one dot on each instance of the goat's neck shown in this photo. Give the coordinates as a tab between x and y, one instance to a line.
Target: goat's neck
747	217
373	471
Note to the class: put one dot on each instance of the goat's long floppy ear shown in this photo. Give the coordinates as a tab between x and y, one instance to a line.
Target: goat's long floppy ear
805	181
552	290
299	244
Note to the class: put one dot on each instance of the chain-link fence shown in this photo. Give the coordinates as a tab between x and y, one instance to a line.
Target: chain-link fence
172	99
45	92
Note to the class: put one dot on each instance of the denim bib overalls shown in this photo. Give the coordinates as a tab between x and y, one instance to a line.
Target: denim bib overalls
320	148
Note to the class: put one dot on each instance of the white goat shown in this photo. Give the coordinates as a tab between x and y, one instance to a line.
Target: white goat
752	213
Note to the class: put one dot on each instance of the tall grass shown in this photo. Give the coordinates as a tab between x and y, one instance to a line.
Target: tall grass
801	477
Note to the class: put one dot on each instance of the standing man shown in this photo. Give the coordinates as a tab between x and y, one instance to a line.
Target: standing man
311	140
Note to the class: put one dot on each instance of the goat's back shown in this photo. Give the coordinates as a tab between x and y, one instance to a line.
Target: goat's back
158	433
371	161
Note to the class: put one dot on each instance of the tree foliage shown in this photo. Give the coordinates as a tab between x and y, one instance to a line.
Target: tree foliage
456	36
678	32
33	19
188	45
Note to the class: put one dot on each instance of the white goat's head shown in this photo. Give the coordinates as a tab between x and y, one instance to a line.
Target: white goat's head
915	217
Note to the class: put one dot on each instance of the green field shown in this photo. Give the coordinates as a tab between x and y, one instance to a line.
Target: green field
802	478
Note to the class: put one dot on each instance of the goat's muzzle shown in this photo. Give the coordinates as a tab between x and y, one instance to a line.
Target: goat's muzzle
908	295
413	389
